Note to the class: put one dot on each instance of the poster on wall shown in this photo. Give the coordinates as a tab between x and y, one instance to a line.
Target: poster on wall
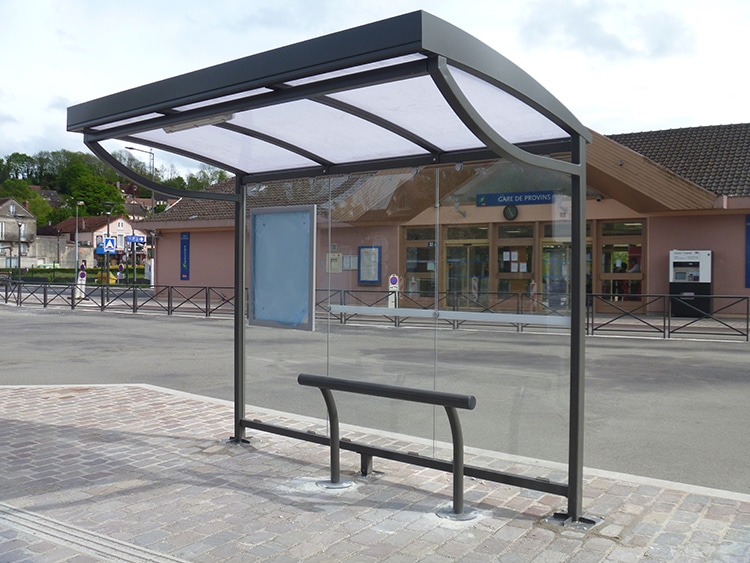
282	267
369	265
184	256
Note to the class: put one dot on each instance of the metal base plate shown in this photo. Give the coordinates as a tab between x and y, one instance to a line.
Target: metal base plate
448	514
584	523
343	484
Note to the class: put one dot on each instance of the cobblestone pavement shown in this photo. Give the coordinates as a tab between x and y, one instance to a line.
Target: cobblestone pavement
140	473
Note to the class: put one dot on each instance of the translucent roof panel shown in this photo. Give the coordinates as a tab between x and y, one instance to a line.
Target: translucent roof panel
417	105
354	70
338	136
408	91
223	99
506	114
238	151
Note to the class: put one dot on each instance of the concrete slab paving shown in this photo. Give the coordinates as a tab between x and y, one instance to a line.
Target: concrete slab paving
142	473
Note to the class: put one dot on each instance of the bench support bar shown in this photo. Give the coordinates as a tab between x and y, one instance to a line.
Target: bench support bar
367	452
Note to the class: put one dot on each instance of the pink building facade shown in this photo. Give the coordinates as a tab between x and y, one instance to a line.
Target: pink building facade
638	209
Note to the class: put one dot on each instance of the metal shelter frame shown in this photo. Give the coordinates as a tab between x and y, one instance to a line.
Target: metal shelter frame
409	91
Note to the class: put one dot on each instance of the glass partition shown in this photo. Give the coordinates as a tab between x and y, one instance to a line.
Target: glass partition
419	286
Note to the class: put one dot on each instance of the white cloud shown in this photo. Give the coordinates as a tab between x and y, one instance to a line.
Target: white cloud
619	65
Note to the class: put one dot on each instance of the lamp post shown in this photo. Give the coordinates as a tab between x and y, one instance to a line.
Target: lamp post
108	205
150	153
20	235
78	204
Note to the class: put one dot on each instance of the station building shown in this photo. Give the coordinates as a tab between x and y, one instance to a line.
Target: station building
494	227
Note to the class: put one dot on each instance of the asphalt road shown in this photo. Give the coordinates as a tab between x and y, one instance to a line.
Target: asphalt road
675	410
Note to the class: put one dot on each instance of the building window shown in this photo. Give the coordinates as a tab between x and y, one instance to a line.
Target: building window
515	231
469	232
622	260
120	241
623	228
515	258
420	234
421	254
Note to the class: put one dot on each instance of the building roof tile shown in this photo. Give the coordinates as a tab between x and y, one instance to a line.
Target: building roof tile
715	157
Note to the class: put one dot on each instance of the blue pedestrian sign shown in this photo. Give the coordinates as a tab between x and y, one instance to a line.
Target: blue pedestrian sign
110	244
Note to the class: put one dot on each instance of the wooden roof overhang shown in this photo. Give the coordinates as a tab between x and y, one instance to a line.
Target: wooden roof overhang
632	179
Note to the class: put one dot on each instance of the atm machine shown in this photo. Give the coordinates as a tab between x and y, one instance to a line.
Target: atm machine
690	282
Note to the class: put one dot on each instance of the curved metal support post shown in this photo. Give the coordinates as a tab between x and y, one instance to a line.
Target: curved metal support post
455	97
103	154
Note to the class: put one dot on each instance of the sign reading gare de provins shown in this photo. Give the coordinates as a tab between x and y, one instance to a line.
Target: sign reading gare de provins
515	198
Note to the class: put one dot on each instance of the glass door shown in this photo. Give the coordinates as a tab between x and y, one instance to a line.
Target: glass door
468	272
555	275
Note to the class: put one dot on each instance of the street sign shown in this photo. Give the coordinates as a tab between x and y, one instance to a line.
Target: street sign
139	239
110	244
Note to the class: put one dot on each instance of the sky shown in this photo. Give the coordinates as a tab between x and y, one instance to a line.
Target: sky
619	65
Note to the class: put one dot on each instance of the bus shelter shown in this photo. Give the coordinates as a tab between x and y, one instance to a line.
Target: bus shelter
364	130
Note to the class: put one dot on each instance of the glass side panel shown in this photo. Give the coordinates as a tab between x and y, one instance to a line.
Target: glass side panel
520	379
410	292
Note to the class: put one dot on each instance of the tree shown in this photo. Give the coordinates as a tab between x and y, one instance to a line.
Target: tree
20	191
18	166
93	190
206	176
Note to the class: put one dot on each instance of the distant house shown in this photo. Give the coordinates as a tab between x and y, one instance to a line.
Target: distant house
50	196
91	232
17	232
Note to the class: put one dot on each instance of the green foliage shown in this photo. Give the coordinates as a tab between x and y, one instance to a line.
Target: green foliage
205	177
79	176
20	191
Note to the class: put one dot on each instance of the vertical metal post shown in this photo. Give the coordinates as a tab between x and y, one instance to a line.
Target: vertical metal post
335	436
458	460
240	227
577	329
135	291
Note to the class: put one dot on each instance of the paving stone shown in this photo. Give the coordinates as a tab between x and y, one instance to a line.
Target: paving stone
152	469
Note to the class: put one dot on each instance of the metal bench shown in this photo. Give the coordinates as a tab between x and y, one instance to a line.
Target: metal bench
450	401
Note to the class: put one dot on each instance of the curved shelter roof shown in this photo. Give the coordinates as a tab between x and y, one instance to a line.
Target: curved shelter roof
408	91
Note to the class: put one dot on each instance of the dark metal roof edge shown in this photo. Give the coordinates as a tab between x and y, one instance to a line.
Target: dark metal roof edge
374	41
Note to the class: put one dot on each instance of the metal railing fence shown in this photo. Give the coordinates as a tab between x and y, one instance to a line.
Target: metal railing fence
189	300
656	315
